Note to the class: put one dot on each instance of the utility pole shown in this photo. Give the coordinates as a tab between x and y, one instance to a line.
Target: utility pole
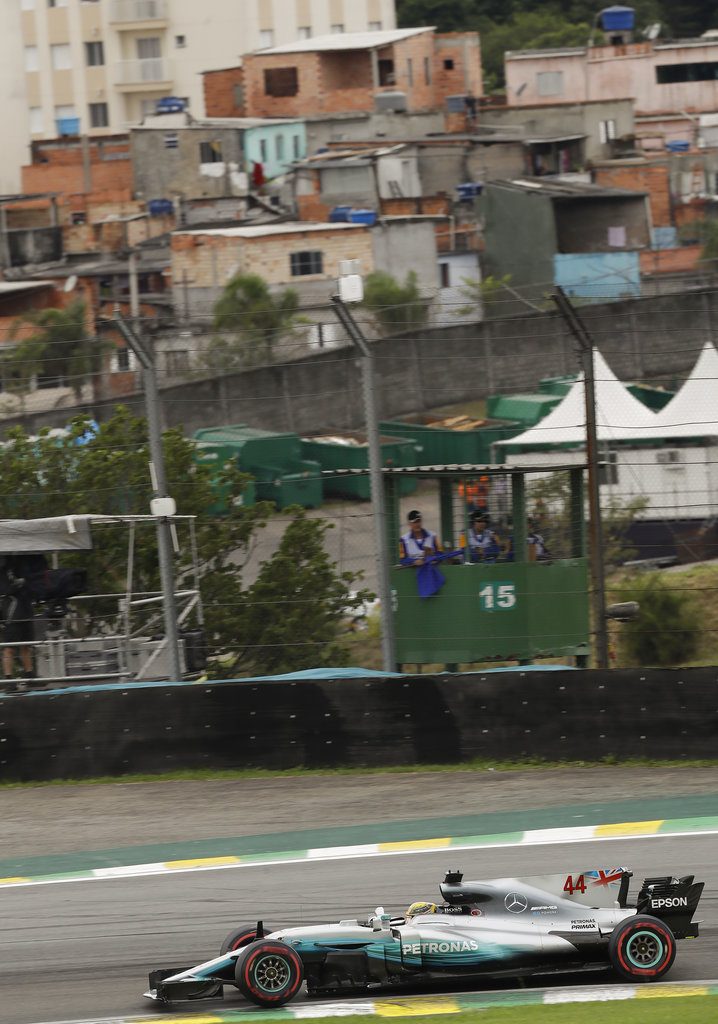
145	357
375	480
585	352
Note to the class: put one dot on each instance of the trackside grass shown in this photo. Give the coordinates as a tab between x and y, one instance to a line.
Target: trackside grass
652	1010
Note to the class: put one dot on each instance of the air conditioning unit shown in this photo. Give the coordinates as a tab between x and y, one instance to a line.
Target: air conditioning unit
669	457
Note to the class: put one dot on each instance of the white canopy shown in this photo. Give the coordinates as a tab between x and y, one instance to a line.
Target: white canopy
693	412
617	413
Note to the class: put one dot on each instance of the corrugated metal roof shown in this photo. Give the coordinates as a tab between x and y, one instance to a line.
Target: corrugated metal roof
288	227
347	41
462	469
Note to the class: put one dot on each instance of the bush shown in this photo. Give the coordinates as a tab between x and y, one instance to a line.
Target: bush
667	629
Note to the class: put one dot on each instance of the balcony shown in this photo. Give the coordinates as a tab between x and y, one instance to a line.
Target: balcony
138	75
127	14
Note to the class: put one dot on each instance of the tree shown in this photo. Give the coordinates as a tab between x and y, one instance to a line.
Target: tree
533	30
53	476
57	346
667	629
299	594
252	319
396	307
455	16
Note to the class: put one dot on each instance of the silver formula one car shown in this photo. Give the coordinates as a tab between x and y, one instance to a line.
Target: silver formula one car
501	927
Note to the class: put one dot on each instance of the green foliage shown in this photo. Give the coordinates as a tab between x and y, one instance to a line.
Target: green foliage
667	630
51	476
292	616
479	294
252	319
706	231
57	346
396	307
527	30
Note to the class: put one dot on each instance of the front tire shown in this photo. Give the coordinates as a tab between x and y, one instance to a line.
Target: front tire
269	973
240	938
642	949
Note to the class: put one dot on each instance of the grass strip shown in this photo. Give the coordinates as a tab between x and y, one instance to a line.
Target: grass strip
220	774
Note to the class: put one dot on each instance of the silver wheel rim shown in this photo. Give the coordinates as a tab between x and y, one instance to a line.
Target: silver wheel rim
271	973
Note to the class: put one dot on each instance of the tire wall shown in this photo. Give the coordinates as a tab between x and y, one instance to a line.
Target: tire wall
552	715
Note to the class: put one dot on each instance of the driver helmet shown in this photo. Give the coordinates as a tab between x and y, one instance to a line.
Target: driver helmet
421	908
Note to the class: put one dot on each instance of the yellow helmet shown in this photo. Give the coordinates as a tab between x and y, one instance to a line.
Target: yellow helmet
421	908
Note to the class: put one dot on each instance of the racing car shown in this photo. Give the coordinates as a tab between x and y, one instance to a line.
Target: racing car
507	927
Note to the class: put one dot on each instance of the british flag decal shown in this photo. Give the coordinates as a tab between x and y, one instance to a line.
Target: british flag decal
601	877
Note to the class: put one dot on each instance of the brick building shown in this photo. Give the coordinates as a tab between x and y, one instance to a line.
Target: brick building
410	70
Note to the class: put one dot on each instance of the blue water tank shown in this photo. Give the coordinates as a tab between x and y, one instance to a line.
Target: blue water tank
617	19
340	215
170	105
678	146
160	207
363	217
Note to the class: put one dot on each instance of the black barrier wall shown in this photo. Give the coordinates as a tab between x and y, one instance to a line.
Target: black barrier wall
589	715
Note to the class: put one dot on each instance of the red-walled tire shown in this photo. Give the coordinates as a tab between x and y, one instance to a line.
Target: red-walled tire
269	973
240	938
642	949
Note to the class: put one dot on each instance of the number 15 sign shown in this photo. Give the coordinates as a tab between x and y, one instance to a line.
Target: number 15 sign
497	597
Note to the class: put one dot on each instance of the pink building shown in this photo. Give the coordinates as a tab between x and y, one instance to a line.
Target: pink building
671	83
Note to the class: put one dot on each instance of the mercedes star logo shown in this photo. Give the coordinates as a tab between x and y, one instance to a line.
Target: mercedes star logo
515	903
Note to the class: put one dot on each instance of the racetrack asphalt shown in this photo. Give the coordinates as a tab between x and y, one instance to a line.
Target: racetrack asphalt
82	950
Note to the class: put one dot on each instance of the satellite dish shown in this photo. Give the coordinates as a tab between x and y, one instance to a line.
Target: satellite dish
653	31
71	283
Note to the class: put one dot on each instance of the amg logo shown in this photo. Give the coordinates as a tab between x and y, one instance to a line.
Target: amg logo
669	901
417	948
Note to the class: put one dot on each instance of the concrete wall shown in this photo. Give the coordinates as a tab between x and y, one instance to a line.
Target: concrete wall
520	235
427	369
392	240
283	143
566	119
582	225
361	126
162	173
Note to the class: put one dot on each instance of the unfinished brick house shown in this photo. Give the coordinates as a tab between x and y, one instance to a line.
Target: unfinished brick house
410	70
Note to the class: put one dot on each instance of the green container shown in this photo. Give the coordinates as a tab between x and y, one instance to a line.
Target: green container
273	459
214	457
557	385
525	409
507	611
350	451
652	397
441	445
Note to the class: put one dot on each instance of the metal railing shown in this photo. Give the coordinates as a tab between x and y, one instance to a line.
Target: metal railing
138	10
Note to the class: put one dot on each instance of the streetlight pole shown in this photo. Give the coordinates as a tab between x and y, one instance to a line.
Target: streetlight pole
145	357
585	351
375	480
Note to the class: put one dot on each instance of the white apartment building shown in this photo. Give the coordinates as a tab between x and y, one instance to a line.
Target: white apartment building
97	66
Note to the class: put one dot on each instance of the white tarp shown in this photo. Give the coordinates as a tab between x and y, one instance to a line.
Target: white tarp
693	412
617	413
60	533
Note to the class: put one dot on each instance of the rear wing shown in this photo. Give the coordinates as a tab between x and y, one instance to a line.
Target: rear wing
672	900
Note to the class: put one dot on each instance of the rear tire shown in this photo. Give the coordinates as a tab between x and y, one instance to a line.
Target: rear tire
269	973
240	938
642	949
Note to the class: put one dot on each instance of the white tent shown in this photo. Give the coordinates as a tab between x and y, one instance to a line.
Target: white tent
693	412
618	413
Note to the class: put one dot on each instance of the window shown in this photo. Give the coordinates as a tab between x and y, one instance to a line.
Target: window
444	276
61	56
297	147
304	263
149	48
279	146
448	64
386	72
427	70
36	120
266	38
171	140
263	150
606	130
375	26
99	115
410	70
78	217
180	42
124	360
549	83
281	82
210	152
31	58
337	29
703	71
65	110
305	31
95	54
608	468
